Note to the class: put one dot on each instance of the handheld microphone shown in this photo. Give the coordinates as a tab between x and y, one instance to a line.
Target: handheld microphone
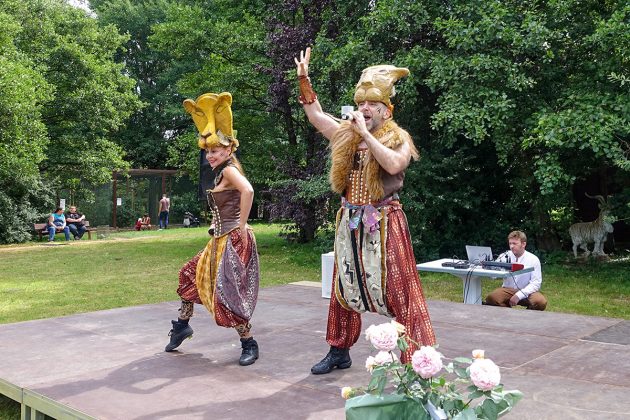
346	112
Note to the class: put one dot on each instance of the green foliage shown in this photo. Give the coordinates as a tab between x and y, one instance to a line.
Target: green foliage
510	103
9	409
538	79
61	96
152	127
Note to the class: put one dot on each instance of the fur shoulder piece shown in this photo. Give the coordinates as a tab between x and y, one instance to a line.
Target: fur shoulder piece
344	145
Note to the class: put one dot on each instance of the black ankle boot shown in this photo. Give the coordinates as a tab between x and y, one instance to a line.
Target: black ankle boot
250	351
181	331
336	358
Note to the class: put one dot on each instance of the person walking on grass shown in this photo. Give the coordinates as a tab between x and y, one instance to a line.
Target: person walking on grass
165	205
224	277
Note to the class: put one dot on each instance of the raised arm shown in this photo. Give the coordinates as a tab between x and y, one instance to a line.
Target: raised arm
323	122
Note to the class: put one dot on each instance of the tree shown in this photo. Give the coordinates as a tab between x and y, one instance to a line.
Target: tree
23	94
152	128
510	102
64	96
544	83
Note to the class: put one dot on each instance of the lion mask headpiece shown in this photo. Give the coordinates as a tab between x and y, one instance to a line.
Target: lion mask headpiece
212	115
377	84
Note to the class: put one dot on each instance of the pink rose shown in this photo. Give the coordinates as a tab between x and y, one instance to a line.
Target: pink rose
370	363
426	362
485	374
382	358
383	337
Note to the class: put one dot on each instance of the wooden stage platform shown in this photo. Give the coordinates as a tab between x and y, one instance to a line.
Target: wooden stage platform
111	365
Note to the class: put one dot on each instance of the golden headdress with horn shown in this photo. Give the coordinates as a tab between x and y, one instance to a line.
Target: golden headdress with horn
377	84
212	115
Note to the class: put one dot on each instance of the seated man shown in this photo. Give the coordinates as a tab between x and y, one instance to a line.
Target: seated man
57	222
76	222
522	289
145	222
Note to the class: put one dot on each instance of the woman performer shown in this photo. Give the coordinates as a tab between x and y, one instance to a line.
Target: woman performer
224	276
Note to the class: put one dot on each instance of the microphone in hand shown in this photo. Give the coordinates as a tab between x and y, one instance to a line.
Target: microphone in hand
346	113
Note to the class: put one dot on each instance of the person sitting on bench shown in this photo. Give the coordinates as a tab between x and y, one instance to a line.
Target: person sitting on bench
76	222
57	221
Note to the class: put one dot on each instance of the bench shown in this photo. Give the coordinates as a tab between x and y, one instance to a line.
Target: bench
42	229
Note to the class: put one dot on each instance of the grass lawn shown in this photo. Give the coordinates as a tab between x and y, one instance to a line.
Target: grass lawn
129	268
597	289
38	280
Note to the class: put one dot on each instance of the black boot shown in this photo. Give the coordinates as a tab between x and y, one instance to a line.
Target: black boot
181	331
250	351
336	358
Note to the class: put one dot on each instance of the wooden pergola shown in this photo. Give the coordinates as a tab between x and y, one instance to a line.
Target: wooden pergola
164	173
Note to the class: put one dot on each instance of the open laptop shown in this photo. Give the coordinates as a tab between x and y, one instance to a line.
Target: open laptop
477	254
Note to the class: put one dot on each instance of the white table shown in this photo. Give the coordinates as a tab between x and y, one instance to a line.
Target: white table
328	263
471	278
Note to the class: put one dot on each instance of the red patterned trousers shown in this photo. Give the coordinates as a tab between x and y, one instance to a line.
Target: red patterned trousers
187	289
405	299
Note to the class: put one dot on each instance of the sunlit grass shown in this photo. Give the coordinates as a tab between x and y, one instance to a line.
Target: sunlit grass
125	269
121	269
597	289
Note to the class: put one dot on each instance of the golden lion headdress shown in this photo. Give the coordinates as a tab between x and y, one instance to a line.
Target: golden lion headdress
377	84
212	115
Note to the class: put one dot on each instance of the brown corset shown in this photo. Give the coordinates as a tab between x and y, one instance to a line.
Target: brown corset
356	189
226	210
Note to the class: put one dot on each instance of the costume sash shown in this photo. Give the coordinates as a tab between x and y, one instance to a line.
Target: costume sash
360	259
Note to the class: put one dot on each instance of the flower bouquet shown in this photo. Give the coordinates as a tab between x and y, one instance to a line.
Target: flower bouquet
467	389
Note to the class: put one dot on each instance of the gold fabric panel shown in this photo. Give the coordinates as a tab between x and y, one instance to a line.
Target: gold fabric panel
207	267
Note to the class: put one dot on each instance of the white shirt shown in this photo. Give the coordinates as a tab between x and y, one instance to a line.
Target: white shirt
527	283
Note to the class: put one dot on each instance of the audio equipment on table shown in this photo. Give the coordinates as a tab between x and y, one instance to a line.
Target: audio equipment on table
461	265
505	266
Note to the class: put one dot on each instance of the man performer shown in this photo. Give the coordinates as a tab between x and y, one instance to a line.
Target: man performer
375	268
523	289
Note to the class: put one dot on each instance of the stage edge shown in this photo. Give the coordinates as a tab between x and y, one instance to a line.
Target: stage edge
35	406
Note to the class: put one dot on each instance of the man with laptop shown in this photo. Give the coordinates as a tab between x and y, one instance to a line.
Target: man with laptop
522	289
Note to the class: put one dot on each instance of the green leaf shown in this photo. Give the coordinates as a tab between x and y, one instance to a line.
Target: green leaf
490	409
476	394
467	414
402	344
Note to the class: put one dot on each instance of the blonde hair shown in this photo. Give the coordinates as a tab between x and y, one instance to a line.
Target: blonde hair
517	234
237	164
